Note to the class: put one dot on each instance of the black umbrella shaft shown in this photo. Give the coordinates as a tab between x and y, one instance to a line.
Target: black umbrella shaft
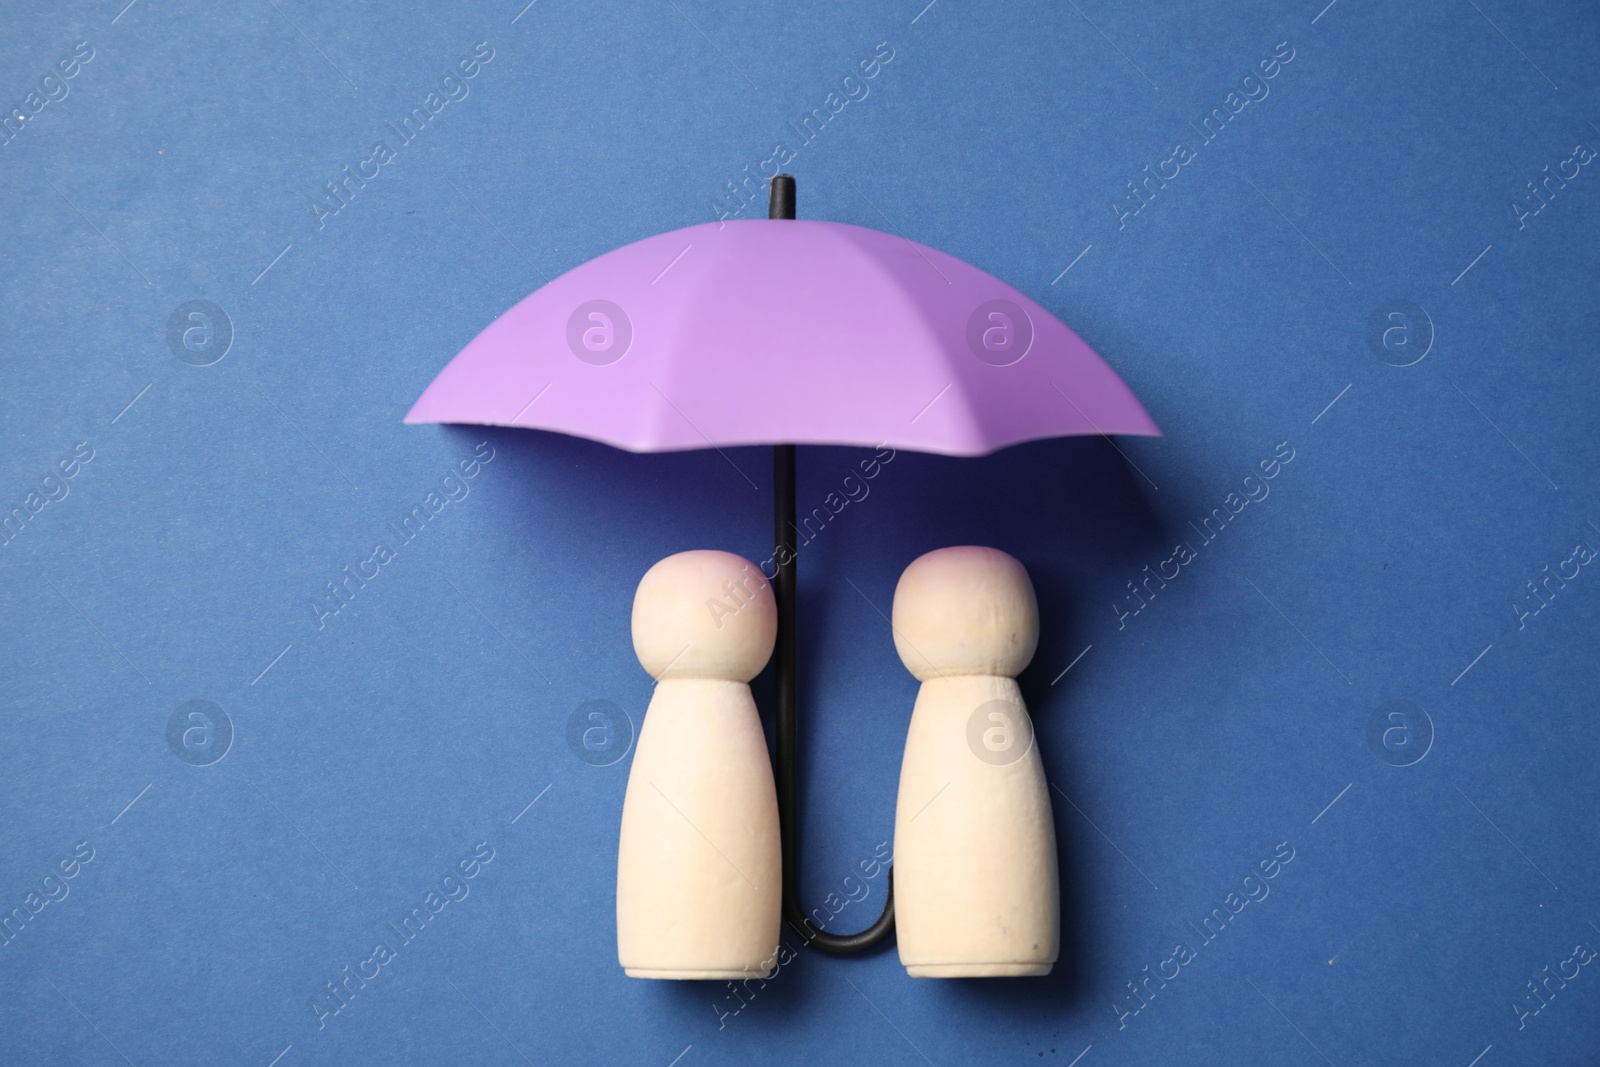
785	668
780	199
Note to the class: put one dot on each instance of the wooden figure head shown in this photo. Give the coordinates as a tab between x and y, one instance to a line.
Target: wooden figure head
965	610
704	614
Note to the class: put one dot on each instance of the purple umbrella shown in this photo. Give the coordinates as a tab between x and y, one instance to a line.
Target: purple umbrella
754	332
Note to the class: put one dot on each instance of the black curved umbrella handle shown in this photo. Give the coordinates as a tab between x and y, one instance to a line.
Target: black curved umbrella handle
787	669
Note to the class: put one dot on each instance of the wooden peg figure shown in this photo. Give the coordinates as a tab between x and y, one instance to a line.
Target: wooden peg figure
975	876
699	866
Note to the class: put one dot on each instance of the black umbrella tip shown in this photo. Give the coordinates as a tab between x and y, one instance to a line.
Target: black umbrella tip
781	203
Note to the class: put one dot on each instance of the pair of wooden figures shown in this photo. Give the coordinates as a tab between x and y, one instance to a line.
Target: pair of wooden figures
699	869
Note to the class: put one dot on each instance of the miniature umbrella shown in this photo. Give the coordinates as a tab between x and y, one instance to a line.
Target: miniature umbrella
758	332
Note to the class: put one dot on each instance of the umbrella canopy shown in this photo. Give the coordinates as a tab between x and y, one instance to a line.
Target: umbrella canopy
746	332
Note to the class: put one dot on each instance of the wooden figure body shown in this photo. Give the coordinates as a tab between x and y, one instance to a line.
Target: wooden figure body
699	866
975	874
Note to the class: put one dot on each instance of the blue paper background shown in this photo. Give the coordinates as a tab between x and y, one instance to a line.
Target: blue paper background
371	754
